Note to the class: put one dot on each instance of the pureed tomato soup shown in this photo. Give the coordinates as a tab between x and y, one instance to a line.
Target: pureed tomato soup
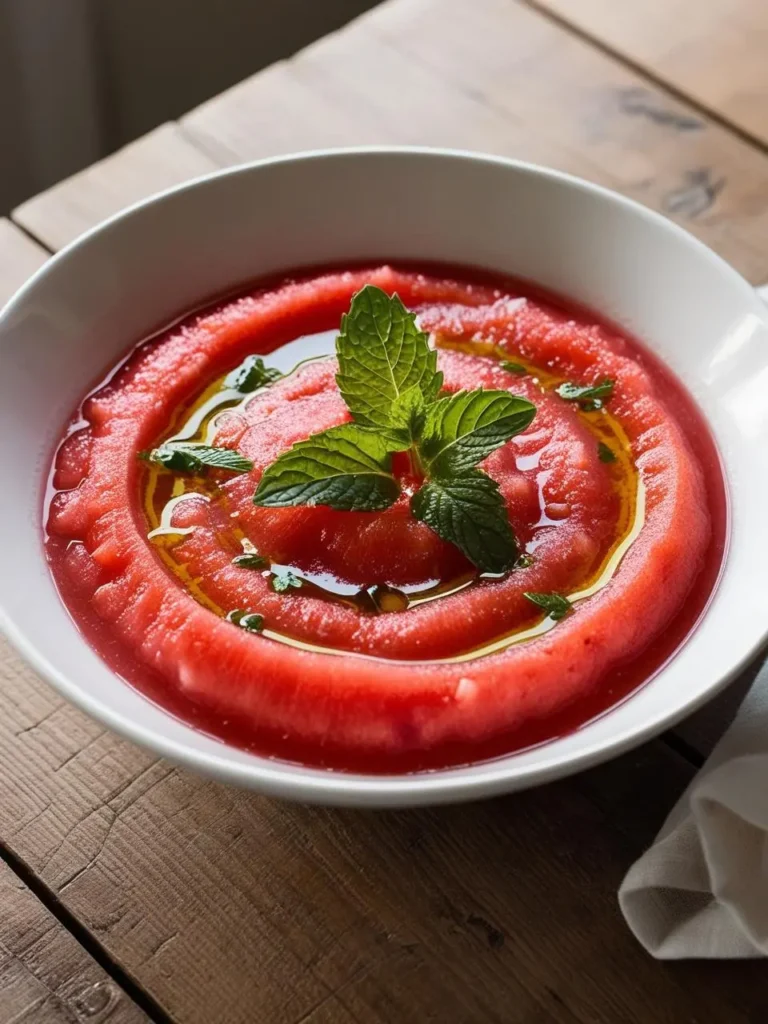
485	581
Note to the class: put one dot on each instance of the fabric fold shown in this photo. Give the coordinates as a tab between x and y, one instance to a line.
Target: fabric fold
701	890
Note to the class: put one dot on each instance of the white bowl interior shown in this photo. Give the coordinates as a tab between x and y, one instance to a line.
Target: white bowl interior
140	270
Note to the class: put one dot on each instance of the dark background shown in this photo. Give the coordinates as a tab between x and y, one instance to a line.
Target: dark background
80	78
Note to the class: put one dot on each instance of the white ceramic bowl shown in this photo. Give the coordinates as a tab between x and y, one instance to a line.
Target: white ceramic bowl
92	302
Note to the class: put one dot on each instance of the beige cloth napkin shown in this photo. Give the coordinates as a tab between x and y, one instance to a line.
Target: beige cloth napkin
701	890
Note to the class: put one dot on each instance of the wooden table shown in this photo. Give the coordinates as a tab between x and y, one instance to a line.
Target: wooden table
133	891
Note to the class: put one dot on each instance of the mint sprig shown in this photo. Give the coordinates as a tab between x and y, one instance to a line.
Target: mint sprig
389	380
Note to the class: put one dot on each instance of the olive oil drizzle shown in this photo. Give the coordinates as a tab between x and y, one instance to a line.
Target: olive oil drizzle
163	491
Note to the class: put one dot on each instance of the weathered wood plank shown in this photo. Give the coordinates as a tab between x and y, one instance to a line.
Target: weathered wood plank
224	905
713	52
496	75
153	163
46	977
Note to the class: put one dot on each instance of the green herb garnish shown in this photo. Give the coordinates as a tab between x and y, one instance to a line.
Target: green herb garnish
382	355
282	581
250	375
589	396
250	621
462	429
605	453
190	457
469	511
516	368
250	560
346	468
389	380
555	605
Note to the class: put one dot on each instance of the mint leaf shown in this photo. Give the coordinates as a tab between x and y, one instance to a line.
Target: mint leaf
250	621
604	453
250	375
407	412
461	430
517	368
382	354
589	396
190	457
346	468
250	560
469	511
282	581
556	606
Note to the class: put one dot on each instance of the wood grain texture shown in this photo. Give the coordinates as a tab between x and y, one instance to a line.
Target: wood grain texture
46	977
496	75
227	906
20	257
712	51
155	162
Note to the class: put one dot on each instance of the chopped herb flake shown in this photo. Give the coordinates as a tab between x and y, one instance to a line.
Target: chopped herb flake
250	375
589	396
250	621
283	581
605	453
191	457
555	605
250	561
516	368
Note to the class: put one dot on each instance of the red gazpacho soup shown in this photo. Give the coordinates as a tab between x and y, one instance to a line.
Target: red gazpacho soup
387	518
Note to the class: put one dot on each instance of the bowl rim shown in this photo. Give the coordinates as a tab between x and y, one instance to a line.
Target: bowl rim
289	780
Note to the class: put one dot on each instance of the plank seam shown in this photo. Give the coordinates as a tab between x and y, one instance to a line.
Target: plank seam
683	748
31	236
712	115
87	940
214	150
